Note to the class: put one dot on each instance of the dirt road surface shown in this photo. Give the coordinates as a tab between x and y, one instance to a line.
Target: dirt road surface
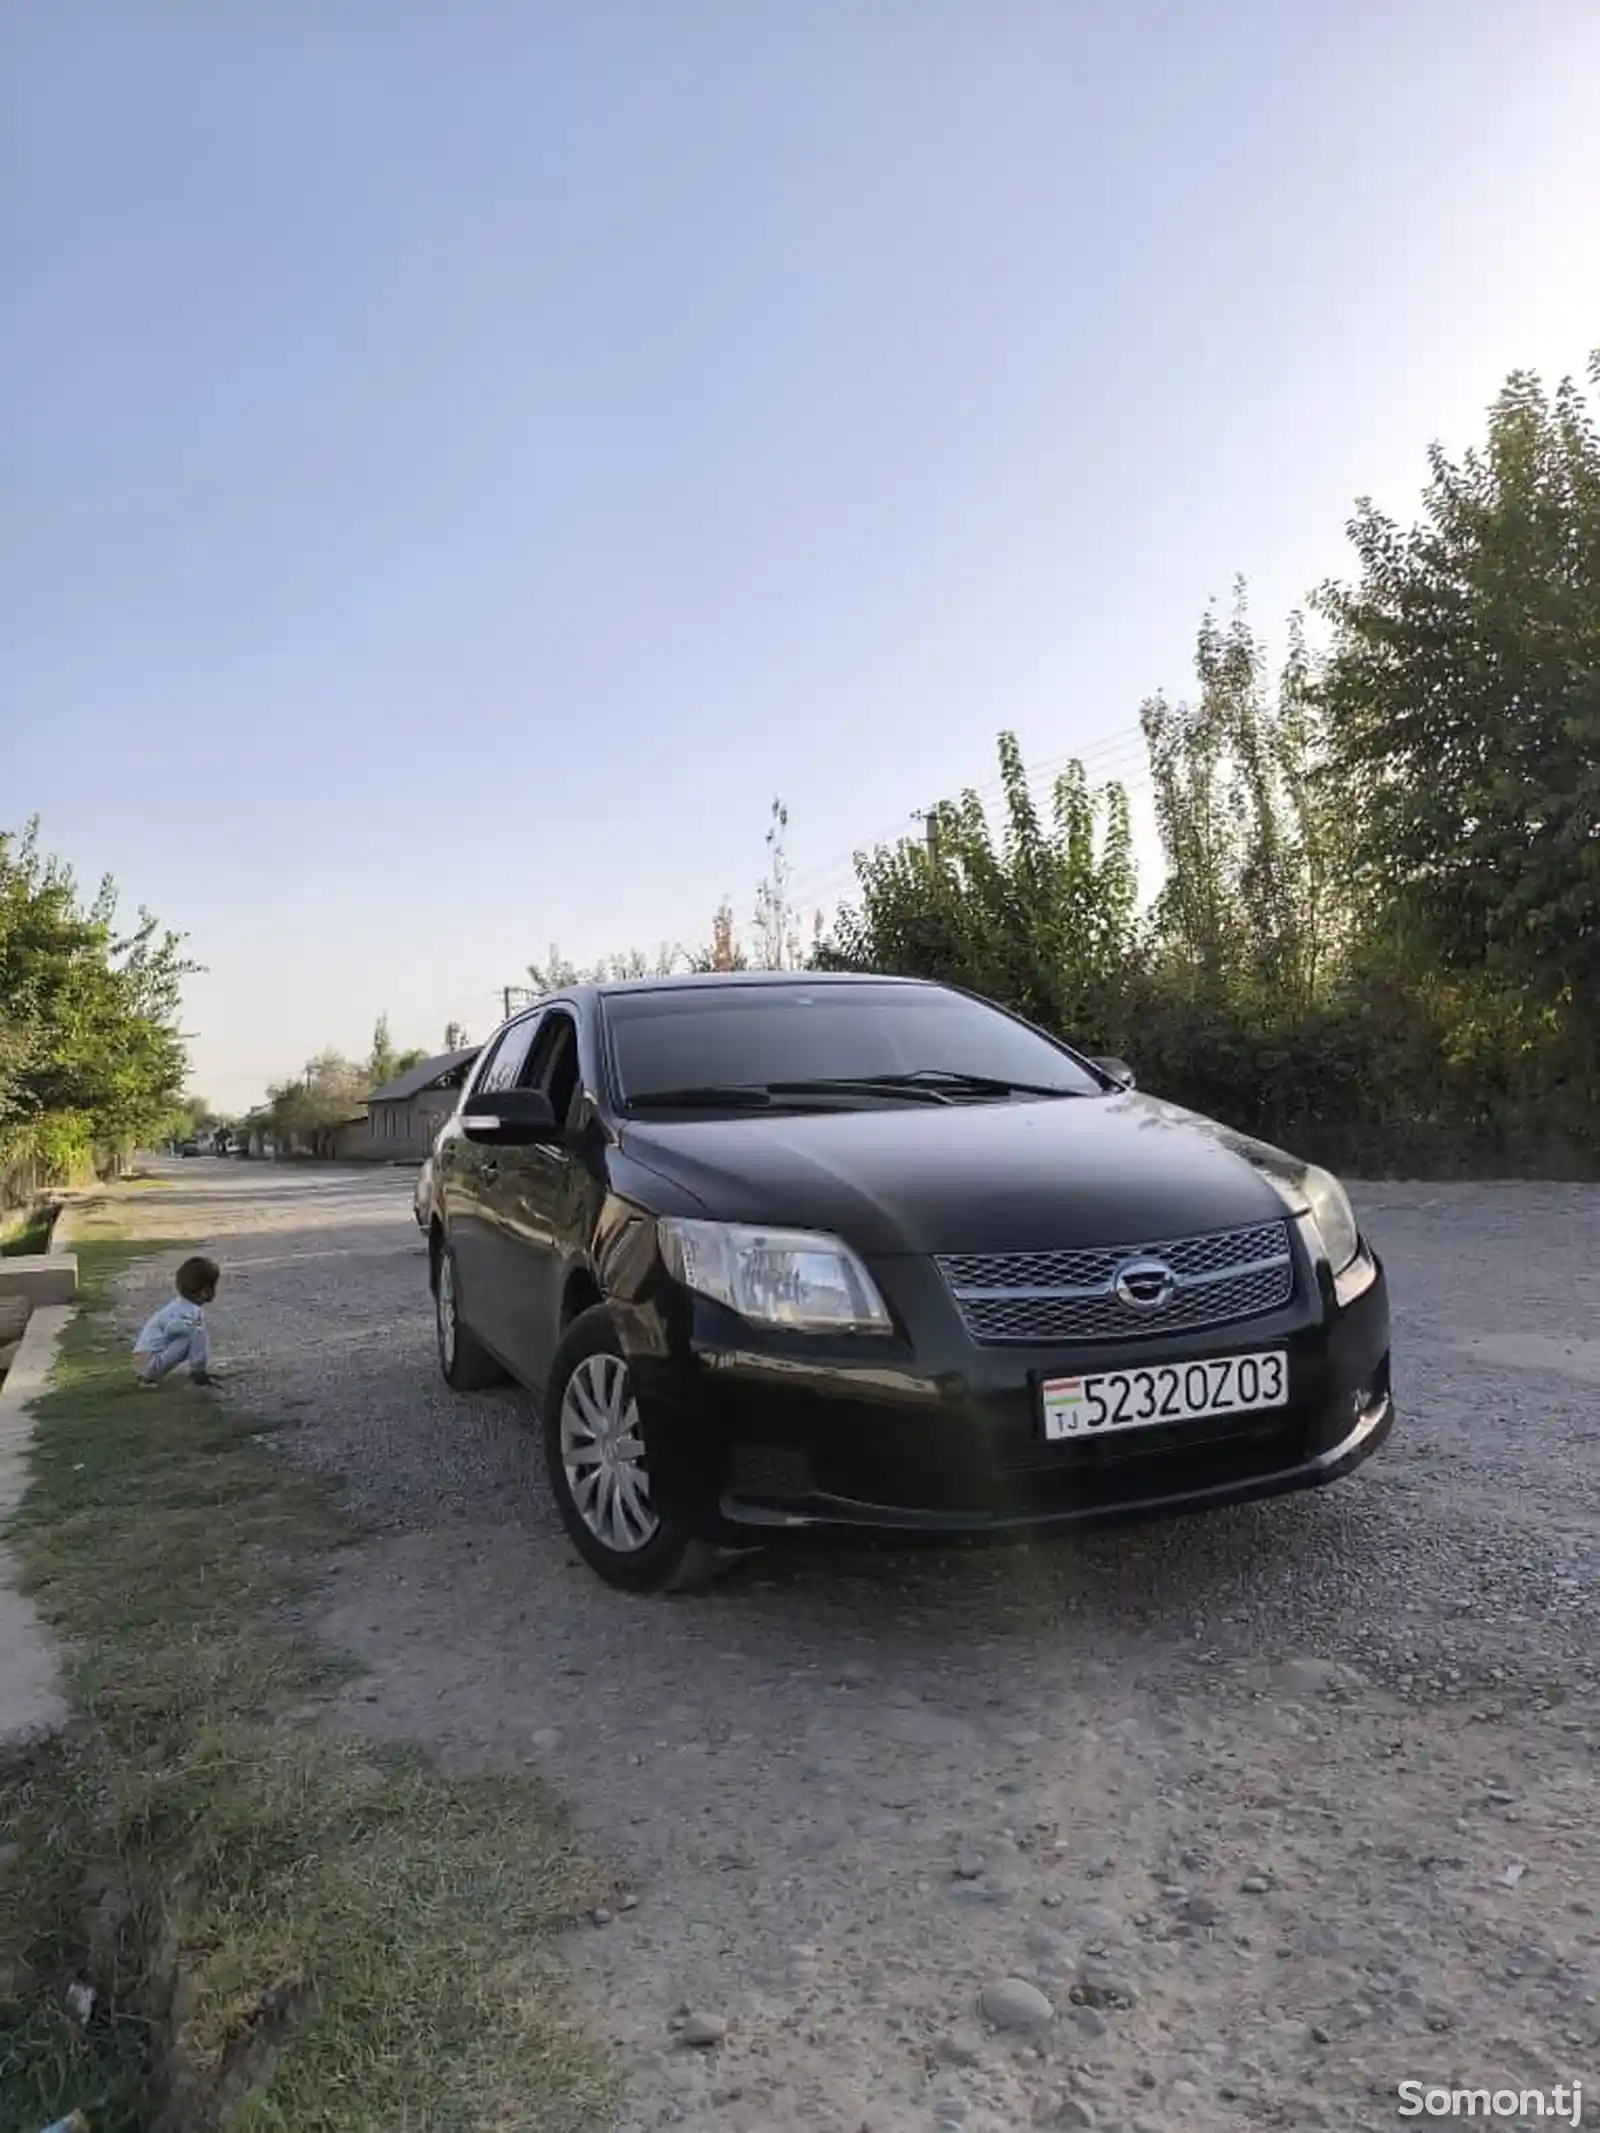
1275	1809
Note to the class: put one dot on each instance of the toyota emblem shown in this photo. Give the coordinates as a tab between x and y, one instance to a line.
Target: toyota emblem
1144	1284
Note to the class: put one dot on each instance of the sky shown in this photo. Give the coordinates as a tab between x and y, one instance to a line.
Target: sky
461	463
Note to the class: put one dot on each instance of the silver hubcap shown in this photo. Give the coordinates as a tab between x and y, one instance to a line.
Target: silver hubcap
445	1311
602	1455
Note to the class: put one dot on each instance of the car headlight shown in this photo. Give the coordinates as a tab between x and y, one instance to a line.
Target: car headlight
1320	1195
776	1277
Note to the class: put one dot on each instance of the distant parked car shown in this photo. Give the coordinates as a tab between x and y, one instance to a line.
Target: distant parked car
189	1148
852	1254
422	1196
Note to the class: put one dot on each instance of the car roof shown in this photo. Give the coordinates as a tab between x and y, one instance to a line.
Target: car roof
724	980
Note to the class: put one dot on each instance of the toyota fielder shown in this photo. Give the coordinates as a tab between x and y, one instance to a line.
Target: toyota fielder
799	1254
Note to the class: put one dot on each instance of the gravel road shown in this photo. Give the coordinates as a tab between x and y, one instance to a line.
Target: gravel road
1244	1799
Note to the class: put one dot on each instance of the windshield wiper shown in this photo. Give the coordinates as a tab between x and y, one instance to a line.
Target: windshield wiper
762	1095
710	1096
930	1085
936	1078
859	1085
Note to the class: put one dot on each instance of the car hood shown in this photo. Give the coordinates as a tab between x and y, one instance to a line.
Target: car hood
1022	1176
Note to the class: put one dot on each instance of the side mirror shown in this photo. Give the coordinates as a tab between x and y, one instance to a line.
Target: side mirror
1119	1071
510	1118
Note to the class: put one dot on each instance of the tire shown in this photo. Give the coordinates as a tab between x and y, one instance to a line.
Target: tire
615	1528
464	1362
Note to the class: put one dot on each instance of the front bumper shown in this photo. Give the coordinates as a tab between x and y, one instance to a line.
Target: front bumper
753	1438
1201	1483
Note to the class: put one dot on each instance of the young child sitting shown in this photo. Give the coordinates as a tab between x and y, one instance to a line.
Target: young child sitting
177	1332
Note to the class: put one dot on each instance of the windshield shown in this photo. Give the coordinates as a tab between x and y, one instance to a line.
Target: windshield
751	1036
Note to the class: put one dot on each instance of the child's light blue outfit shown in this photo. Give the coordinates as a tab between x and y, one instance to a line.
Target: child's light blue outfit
175	1334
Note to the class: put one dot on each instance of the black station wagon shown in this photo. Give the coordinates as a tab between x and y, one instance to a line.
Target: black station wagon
800	1253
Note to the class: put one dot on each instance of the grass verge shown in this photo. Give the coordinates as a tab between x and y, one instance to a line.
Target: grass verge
28	1233
286	1931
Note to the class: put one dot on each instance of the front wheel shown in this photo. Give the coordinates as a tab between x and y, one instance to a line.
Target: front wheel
594	1450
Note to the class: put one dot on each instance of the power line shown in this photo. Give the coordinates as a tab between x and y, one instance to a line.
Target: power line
1104	759
1125	741
838	885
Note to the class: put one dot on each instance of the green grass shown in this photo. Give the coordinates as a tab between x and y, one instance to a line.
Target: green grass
288	1932
27	1233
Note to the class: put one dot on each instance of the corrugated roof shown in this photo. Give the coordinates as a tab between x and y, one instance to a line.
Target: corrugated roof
423	1075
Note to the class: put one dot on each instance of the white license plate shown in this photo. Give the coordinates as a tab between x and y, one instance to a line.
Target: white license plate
1111	1400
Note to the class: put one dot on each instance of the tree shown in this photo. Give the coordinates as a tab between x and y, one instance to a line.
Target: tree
556	971
383	1062
329	1091
91	1060
776	932
1254	897
723	952
193	1117
1041	919
1463	700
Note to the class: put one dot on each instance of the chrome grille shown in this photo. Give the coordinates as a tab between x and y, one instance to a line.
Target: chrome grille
1068	1296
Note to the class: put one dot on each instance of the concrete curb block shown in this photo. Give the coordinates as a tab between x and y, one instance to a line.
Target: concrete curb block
31	1702
45	1278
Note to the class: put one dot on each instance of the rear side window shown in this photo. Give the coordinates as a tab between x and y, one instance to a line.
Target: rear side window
505	1060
